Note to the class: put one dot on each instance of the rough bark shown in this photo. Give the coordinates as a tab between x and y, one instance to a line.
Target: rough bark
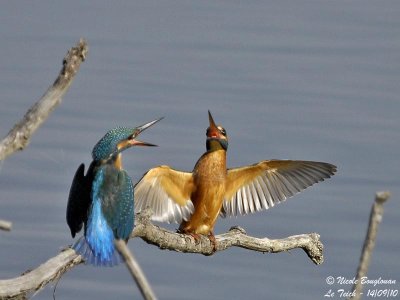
235	237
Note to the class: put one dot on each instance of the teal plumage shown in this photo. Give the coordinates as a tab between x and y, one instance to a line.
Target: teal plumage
103	199
108	145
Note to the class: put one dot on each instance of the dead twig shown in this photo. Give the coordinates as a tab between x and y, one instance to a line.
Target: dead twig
18	137
369	243
135	270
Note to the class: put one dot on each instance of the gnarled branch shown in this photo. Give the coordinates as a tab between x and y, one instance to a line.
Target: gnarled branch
235	237
51	270
18	137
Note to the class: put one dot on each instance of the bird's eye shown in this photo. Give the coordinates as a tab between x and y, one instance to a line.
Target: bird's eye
223	131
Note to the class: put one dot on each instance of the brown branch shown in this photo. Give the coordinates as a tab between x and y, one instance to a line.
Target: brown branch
164	239
18	137
135	270
5	225
375	219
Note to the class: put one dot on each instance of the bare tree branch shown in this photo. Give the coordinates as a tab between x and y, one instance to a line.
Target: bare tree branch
5	225
18	138
32	281
235	237
54	268
135	270
369	243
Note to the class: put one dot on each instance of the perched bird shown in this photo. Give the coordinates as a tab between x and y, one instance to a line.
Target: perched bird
103	199
196	199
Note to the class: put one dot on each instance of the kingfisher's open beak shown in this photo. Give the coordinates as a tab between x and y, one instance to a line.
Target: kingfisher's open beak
212	131
133	142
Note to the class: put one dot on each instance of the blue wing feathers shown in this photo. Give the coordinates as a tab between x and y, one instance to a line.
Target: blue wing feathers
123	223
117	202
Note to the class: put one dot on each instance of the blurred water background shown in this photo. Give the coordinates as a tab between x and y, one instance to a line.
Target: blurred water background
311	80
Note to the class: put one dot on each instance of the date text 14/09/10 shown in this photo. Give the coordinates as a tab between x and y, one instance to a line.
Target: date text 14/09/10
372	293
382	293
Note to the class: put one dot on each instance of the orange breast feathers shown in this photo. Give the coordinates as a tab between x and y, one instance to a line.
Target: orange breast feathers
209	177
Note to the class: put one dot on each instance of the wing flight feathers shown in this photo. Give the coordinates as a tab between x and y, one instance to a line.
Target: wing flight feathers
77	201
260	186
167	192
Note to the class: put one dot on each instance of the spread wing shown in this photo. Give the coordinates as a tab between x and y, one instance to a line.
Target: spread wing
260	186
79	199
167	192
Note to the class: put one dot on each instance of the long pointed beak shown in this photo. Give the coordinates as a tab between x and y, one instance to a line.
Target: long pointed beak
211	120
213	129
138	130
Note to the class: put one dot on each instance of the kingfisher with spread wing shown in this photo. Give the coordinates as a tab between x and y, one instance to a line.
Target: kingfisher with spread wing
196	199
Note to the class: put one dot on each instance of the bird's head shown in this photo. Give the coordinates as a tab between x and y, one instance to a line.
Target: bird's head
216	136
119	139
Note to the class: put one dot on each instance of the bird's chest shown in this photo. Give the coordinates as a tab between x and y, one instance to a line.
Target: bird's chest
209	178
210	170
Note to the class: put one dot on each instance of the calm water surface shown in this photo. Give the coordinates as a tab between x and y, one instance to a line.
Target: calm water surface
312	80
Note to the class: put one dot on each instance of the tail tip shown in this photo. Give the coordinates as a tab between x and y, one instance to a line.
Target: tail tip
83	248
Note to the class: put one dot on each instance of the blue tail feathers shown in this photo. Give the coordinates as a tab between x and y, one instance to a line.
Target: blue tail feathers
97	247
83	248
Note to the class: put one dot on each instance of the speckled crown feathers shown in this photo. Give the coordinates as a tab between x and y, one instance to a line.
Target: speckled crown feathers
109	142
